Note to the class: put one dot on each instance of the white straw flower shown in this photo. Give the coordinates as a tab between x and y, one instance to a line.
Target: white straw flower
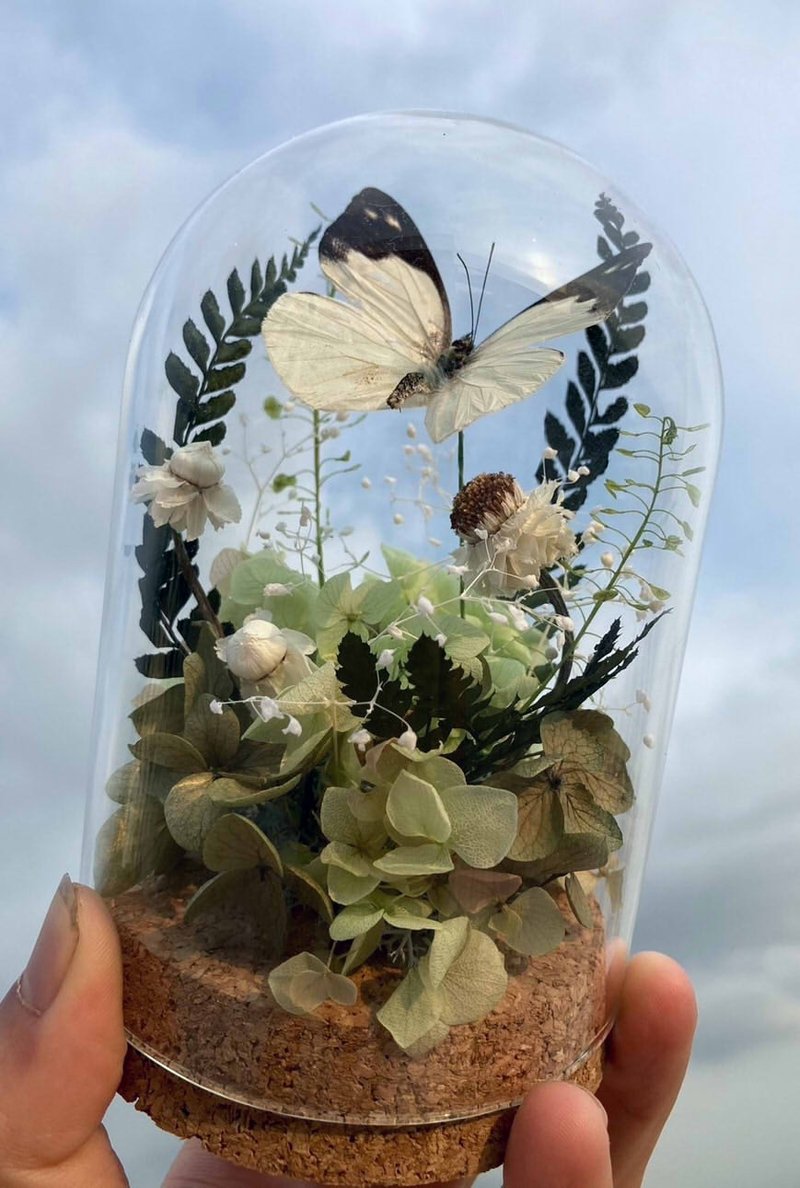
187	490
407	740
265	658
509	537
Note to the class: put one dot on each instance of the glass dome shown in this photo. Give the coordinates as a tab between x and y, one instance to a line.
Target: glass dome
419	427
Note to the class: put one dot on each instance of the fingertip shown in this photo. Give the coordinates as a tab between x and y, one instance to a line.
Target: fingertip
559	1140
658	1007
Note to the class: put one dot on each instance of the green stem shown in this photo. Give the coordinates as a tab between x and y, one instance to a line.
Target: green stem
461	608
634	542
318	498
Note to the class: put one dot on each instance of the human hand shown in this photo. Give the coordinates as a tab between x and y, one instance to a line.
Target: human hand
62	1046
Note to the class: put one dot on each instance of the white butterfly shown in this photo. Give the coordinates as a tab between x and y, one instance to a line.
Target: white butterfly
389	343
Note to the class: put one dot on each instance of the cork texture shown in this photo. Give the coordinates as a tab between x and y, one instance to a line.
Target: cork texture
325	1153
306	1093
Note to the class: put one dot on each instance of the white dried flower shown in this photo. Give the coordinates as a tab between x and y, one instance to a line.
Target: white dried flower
366	483
398	518
390	479
292	727
424	606
509	537
549	454
425	452
434	540
187	490
497	617
649	741
572	476
518	617
584	471
216	707
276	590
385	659
394	631
564	622
409	451
411	431
264	657
607	560
407	740
361	739
643	699
267	708
440	639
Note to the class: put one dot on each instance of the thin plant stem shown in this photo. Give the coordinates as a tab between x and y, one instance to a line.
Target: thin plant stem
193	582
318	498
461	608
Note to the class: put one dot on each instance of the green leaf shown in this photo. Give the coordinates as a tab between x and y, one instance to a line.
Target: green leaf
470	976
211	410
593	752
132	844
181	379
283	482
321	693
411	1011
541	822
273	408
578	901
225	377
194	681
233	351
415	860
475	890
169	750
215	736
221	889
581	851
642	409
305	887
583	815
355	920
160	714
213	435
303	983
362	948
212	317
236	843
531	924
415	810
345	887
190	812
236	293
196	344
484	823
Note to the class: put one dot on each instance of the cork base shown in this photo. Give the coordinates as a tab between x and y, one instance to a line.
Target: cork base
325	1153
330	1097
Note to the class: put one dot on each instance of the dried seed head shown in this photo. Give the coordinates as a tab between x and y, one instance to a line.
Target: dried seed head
484	504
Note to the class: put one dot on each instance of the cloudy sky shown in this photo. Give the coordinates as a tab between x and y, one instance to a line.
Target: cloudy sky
121	117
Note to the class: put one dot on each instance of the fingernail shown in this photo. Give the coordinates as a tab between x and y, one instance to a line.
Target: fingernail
53	952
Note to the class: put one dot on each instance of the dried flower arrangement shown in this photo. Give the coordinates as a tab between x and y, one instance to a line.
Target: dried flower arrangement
399	765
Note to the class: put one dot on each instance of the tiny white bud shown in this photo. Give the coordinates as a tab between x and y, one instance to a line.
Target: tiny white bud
497	617
276	590
267	709
385	659
389	479
572	476
424	605
411	431
441	639
434	540
564	622
583	471
361	739
549	454
366	483
216	707
292	727
457	569
427	511
425	452
394	631
518	617
305	516
407	740
643	700
398	518
607	560
649	741
341	417
409	451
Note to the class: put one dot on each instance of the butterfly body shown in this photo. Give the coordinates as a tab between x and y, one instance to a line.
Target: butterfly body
385	340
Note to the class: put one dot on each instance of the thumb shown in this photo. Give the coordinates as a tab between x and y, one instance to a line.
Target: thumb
61	1050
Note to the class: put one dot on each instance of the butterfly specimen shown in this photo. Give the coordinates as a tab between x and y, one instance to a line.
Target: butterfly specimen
389	343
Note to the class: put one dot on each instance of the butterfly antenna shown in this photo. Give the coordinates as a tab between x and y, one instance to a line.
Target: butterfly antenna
483	287
462	262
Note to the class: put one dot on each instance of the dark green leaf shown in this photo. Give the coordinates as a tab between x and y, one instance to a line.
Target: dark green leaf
196	344
636	311
618	374
225	377
587	376
217	406
231	352
598	341
214	435
160	664
212	317
575	408
181	379
235	292
256	280
154	450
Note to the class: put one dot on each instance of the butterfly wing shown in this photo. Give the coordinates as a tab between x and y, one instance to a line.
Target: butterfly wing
396	320
509	365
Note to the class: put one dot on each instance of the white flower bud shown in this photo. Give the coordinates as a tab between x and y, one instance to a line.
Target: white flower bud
292	727
572	476
267	708
254	651
366	483
549	454
197	464
216	707
276	590
407	740
398	518
424	605
385	659
411	431
643	699
649	741
607	560
361	739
